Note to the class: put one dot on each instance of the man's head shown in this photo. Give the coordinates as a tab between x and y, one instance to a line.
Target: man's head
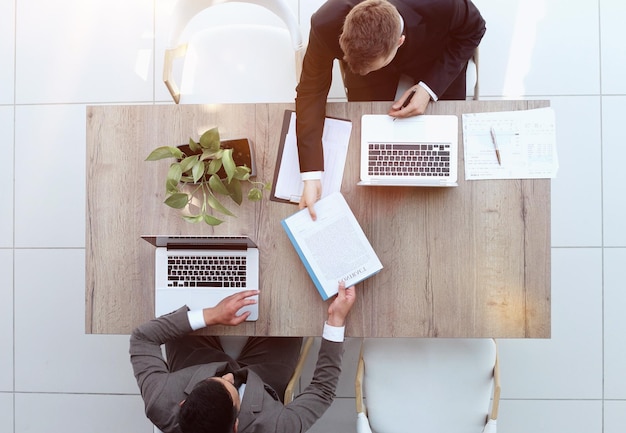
211	407
371	36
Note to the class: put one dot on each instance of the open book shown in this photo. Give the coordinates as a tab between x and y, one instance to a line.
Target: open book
333	248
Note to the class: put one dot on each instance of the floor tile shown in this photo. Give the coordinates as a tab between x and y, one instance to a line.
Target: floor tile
6	175
7	51
613	51
6	320
614	323
550	416
50	176
577	190
340	417
535	48
615	416
52	352
613	174
575	349
73	51
80	413
6	412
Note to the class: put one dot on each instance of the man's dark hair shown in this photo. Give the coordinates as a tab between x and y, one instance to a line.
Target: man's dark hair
209	408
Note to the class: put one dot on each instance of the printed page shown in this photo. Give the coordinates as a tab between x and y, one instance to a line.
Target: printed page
333	248
335	139
525	141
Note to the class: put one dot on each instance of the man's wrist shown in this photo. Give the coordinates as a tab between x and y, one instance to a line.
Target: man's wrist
432	94
196	319
311	175
333	333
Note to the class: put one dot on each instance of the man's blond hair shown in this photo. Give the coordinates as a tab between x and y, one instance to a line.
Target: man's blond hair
371	31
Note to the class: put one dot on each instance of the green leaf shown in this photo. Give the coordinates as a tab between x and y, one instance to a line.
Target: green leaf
171	186
267	186
193	218
198	171
217	185
174	173
229	164
188	162
234	188
255	194
210	140
242	173
209	154
165	152
211	220
177	201
195	147
214	166
215	204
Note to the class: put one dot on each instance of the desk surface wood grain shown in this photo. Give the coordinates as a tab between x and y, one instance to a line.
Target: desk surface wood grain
469	261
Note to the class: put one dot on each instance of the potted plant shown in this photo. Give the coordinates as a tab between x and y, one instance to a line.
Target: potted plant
206	171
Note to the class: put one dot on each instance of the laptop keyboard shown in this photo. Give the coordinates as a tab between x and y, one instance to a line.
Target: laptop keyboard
206	271
388	159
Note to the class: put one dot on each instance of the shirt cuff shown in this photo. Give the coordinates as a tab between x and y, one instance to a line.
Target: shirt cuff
196	319
311	175
333	333
430	92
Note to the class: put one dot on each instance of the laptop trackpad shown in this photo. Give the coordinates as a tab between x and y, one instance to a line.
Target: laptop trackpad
168	300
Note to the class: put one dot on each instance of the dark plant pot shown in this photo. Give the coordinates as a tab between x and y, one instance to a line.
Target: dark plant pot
242	154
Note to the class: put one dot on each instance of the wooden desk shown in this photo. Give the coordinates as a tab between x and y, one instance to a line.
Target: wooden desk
471	261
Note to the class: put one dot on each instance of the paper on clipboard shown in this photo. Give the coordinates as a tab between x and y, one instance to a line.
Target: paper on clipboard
525	140
288	185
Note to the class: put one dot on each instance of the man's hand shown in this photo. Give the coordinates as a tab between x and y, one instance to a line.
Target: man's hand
225	313
310	195
341	305
417	106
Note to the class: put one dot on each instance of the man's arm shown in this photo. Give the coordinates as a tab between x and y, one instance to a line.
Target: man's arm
310	405
466	30
312	94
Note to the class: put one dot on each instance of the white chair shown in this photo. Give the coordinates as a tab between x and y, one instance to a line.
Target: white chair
234	62
431	385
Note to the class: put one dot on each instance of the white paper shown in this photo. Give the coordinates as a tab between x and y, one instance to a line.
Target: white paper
333	248
526	140
335	140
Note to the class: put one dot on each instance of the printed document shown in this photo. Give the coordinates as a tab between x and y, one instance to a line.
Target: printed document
288	183
510	145
333	248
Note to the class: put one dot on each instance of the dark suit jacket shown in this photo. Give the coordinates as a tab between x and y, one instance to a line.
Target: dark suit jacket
441	36
162	391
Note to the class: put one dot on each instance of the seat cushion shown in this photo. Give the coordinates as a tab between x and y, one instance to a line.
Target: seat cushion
239	63
434	385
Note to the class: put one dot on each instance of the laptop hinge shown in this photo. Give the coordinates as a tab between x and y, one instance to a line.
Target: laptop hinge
216	246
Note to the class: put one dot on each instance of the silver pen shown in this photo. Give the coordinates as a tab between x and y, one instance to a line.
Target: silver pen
495	144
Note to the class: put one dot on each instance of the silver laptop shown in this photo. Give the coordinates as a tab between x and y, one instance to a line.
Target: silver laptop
200	271
416	151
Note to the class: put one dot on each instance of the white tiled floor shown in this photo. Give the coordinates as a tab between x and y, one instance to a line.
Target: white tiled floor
59	56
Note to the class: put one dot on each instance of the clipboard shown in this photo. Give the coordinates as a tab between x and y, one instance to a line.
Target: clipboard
287	184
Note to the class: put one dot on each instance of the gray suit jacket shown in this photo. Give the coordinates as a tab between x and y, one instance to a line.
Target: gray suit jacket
162	390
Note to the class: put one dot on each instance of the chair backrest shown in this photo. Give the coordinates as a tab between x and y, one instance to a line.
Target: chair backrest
436	385
232	62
